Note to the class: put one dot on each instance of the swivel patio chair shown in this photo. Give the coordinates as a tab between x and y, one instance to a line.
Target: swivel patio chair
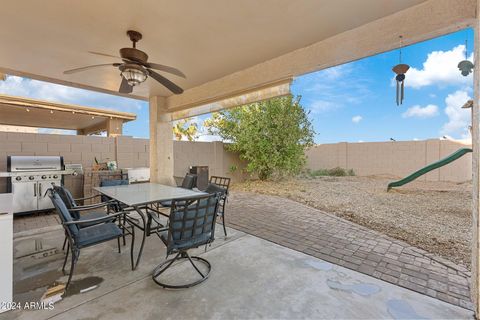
224	184
100	230
191	225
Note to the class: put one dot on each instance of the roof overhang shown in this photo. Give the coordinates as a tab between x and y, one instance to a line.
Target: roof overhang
225	48
20	111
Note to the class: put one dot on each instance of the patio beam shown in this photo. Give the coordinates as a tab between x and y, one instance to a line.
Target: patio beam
430	19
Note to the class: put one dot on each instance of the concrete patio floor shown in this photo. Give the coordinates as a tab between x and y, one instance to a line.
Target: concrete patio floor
250	278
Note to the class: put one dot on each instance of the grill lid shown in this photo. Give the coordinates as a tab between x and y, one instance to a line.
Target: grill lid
34	163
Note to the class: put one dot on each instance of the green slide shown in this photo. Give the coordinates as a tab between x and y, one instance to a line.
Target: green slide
440	163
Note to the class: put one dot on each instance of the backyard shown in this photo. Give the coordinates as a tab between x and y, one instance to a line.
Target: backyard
434	216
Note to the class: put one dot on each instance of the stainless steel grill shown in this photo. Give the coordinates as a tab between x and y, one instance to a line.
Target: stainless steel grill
29	177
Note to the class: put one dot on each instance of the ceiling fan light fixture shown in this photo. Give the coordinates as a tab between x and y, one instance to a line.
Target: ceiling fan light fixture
134	74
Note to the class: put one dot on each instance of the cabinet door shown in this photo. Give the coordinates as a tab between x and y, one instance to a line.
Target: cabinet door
24	196
44	201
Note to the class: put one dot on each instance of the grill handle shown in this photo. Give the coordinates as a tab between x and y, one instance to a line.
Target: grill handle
35	189
40	189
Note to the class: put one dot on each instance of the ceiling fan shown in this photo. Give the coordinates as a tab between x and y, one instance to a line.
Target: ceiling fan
135	69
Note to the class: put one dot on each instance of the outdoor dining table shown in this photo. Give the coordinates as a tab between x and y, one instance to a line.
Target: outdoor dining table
138	197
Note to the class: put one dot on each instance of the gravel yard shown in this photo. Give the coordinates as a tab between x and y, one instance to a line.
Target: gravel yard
434	216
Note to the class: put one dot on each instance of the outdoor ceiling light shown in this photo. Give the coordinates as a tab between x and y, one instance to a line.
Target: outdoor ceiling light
133	73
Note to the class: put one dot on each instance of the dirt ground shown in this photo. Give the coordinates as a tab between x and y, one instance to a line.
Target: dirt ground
434	216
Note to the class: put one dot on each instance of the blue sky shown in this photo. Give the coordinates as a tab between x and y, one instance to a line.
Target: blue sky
352	102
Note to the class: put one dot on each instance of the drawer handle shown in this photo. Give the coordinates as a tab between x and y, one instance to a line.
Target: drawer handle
3	213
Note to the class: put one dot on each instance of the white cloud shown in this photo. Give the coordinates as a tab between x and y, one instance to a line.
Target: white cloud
334	88
357	119
458	118
17	86
321	106
418	112
439	69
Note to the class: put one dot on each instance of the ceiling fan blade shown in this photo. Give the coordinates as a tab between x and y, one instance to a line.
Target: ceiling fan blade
164	81
104	54
168	69
125	87
90	67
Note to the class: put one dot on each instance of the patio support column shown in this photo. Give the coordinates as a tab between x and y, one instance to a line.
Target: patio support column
161	142
475	283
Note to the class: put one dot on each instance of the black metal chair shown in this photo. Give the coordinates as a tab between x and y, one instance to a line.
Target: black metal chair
191	225
115	205
188	182
224	184
100	230
75	209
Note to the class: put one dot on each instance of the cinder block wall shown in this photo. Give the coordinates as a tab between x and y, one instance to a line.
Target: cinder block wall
396	158
127	151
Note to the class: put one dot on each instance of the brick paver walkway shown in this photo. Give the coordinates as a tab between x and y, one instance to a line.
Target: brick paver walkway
344	243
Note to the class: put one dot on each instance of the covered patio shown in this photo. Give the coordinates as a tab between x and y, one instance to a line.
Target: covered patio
251	278
231	53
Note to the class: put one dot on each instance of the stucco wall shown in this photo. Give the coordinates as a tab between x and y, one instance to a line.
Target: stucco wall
396	158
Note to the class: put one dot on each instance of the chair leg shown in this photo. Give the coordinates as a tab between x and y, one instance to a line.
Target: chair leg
223	223
119	247
123	229
64	243
131	248
193	264
168	263
66	258
72	267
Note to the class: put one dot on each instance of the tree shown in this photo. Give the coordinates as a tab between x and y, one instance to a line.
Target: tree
185	128
270	135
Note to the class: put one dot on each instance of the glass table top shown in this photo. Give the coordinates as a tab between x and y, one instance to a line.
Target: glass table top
144	193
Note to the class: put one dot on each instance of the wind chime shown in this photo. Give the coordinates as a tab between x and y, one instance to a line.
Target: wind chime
400	70
466	66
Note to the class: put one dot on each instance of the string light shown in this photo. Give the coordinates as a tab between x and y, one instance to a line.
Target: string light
51	111
28	110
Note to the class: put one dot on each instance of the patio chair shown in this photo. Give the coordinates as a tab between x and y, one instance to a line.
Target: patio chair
101	230
115	206
224	183
188	182
191	225
75	209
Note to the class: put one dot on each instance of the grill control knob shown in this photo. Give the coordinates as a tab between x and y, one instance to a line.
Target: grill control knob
31	178
44	177
18	178
55	176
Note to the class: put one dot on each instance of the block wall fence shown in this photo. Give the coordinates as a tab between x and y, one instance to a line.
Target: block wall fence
127	151
376	158
395	158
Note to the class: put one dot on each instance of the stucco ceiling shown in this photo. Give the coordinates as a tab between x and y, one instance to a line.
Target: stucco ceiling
205	39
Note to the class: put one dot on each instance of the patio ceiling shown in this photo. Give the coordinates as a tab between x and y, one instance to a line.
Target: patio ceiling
207	40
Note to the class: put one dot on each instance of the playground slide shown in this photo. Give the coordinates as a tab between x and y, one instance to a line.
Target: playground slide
440	163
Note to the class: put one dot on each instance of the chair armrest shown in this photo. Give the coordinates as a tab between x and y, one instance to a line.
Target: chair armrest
88	198
102	219
91	206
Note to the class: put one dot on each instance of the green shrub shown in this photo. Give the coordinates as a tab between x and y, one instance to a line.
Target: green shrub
334	172
270	135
